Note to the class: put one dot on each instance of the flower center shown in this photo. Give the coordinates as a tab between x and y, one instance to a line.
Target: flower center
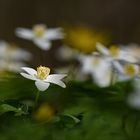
39	30
114	51
42	72
130	70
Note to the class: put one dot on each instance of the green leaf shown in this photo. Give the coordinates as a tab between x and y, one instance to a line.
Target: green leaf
8	108
68	120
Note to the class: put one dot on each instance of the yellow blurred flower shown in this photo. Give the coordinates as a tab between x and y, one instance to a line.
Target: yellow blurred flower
44	113
84	39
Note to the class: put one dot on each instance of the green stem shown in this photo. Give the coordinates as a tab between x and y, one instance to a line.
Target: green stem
36	98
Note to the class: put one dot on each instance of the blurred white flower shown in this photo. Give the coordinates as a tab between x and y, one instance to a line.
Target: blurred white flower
12	58
127	71
133	99
43	78
40	35
11	66
66	53
133	49
11	52
116	53
98	67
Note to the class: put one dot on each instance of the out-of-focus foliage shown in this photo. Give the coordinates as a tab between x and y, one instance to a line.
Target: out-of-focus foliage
82	111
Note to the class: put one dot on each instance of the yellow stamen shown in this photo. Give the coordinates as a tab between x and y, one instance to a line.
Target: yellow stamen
39	30
114	51
42	72
130	70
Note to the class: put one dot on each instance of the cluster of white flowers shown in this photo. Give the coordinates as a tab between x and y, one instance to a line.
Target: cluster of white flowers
110	65
106	66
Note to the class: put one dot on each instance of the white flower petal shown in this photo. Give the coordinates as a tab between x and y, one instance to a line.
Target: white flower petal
103	79
56	79
31	77
118	67
14	66
42	86
103	83
102	74
29	71
53	34
24	33
86	63
42	44
98	67
102	49
18	54
8	52
127	57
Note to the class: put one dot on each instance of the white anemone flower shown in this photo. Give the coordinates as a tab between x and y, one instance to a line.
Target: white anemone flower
42	77
127	71
116	53
40	35
99	68
11	52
